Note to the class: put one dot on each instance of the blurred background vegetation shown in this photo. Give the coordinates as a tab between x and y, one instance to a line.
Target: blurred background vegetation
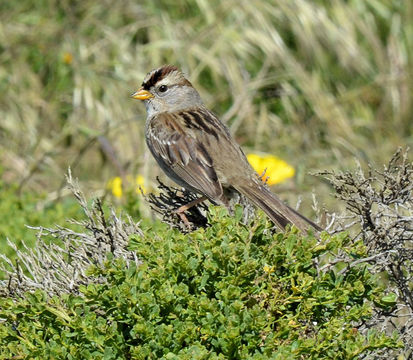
316	83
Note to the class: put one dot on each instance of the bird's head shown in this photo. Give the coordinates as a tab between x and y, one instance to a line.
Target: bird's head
167	90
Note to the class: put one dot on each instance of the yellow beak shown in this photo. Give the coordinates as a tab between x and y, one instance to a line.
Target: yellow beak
142	94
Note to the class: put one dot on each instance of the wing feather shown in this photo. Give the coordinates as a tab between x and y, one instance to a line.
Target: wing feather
181	156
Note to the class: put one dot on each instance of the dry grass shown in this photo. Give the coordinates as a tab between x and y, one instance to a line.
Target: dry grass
317	83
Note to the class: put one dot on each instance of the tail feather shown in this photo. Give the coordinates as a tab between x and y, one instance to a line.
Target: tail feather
280	213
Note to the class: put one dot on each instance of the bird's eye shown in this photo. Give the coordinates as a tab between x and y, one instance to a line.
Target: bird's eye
163	88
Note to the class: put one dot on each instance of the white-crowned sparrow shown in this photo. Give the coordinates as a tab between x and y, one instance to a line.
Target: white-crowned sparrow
195	149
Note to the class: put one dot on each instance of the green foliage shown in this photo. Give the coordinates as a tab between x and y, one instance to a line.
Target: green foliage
30	209
230	291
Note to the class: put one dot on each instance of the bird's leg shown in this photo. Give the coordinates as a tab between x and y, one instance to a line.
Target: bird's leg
191	204
262	177
180	211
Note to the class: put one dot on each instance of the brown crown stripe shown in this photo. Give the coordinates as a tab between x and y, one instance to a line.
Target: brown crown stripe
158	75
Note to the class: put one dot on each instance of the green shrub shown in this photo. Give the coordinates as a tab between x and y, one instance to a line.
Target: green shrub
29	209
230	291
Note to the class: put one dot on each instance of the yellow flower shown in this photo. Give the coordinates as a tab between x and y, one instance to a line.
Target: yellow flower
140	184
268	269
276	170
115	185
67	58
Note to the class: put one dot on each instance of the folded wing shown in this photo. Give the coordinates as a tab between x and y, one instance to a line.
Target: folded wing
181	156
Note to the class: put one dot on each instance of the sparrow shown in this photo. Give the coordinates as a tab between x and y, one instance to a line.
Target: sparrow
196	150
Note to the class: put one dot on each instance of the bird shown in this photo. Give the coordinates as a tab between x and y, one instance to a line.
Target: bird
196	150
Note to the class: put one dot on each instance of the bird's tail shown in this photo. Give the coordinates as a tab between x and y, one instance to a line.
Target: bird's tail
280	213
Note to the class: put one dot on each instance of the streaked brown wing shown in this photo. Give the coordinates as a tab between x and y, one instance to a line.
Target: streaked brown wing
181	156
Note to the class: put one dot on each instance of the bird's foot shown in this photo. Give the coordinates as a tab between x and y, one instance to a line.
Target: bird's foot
181	210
